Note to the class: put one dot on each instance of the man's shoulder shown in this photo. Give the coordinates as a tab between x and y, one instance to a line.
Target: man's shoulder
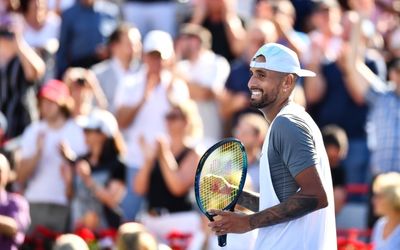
287	125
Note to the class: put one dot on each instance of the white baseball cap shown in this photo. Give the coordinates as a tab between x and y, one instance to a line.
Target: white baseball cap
281	59
100	120
160	41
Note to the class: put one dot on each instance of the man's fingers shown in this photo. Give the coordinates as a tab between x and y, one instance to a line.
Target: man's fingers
216	212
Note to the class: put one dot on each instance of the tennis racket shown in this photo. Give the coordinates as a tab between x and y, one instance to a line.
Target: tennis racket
220	178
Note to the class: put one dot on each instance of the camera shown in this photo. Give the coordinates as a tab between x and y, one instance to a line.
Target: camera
80	81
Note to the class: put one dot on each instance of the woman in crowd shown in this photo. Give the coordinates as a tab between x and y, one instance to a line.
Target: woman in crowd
99	185
166	178
386	201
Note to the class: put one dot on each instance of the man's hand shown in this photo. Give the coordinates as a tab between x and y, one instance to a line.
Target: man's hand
229	222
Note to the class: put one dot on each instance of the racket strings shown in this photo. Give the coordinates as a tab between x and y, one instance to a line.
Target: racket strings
222	167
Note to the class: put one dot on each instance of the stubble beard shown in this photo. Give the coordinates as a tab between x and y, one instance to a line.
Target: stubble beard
265	101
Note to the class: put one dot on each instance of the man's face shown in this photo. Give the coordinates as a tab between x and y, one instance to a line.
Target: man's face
189	45
128	45
264	86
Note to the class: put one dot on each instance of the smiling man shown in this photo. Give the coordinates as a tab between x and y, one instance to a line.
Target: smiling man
294	209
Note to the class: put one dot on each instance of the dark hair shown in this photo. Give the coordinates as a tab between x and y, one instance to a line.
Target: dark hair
113	147
394	63
24	6
118	32
66	111
335	136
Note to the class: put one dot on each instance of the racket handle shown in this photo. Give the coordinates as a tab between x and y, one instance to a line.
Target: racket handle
222	240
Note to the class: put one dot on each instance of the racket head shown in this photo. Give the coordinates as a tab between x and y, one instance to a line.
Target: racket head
226	159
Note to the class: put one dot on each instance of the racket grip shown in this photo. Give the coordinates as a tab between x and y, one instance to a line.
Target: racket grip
222	240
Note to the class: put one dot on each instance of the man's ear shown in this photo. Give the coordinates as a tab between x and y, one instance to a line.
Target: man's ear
289	83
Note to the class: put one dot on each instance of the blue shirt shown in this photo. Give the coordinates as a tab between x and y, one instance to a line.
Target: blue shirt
83	29
391	242
384	130
239	77
337	106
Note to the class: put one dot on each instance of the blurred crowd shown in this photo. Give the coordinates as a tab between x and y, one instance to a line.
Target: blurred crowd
106	107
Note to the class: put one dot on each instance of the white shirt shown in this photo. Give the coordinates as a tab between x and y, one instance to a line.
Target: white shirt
46	37
150	119
316	230
210	71
46	184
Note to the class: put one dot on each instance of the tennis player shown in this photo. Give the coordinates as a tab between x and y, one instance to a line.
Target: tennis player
294	209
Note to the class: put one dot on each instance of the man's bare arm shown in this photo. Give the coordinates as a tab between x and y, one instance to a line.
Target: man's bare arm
311	197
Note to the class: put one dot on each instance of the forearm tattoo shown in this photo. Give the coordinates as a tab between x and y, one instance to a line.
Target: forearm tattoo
295	207
249	200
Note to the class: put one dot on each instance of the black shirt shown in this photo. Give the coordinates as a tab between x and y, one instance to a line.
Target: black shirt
160	198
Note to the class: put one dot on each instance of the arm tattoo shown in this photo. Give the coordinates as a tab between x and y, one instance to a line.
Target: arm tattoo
249	200
295	207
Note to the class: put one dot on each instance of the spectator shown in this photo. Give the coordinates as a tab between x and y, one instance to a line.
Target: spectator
84	45
327	95
382	13
336	144
14	212
205	73
284	16
303	12
150	15
42	164
41	31
386	200
9	6
220	18
70	242
236	97
142	101
393	44
263	10
383	101
132	236
85	90
100	181
251	130
20	69
125	49
166	177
